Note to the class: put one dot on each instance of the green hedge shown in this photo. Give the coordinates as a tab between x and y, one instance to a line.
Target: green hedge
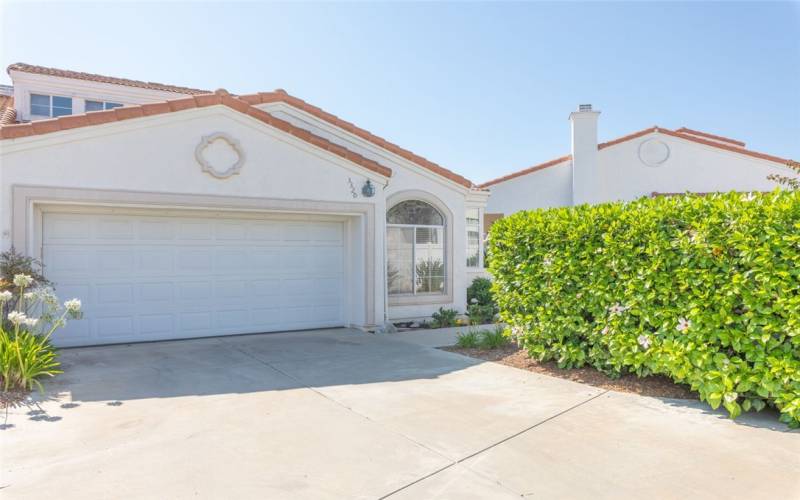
703	289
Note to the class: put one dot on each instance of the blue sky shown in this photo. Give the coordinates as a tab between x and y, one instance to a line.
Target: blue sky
481	88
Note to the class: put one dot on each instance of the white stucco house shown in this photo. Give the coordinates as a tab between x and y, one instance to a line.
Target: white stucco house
174	212
651	162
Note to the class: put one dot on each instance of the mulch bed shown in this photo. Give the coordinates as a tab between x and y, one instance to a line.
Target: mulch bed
654	385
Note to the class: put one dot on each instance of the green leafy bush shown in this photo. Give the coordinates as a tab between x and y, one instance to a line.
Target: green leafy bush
480	314
444	318
481	307
480	292
705	290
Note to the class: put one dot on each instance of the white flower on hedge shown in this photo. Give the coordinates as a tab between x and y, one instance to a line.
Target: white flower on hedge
644	341
730	397
598	250
73	305
22	280
683	325
474	300
16	317
547	262
749	197
605	330
5	296
617	309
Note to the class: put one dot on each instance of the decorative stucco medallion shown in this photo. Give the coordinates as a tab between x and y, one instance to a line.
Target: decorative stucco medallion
220	155
653	152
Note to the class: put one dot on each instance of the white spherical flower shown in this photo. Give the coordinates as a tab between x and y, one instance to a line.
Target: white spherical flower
16	317
644	341
22	280
5	296
73	305
30	322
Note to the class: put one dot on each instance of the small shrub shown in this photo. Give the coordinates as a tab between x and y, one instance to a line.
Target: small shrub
702	289
26	354
494	339
480	292
468	340
444	318
480	314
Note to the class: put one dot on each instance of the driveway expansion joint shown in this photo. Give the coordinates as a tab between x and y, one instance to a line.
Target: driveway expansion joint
493	445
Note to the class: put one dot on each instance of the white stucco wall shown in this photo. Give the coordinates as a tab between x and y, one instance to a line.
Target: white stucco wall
690	166
549	187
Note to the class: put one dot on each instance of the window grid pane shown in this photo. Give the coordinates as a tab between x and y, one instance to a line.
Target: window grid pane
400	256
429	260
40	105
473	237
94	106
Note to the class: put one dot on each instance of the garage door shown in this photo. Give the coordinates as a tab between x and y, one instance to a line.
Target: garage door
144	277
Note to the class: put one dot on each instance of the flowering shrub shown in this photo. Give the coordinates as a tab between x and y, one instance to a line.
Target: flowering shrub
25	350
705	290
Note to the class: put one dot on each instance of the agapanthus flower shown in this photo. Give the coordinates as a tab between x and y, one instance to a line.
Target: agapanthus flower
5	296
30	322
16	317
73	305
22	280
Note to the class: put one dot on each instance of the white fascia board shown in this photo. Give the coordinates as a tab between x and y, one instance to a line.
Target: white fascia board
373	148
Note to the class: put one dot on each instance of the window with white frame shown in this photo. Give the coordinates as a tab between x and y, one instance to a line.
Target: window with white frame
473	237
50	105
415	249
101	105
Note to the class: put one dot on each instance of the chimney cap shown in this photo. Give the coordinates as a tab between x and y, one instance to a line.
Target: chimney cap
584	108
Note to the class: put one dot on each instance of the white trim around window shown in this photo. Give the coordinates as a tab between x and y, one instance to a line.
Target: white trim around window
446	296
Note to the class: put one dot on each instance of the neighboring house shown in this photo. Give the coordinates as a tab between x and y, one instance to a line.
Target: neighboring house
174	212
646	163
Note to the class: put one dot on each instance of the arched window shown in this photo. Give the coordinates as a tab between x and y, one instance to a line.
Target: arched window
415	249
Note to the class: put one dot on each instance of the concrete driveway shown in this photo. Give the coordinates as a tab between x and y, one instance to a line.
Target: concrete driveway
343	414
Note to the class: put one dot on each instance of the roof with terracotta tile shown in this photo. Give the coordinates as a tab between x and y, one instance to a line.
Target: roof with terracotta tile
77	75
706	135
682	133
220	97
527	171
281	95
260	98
8	114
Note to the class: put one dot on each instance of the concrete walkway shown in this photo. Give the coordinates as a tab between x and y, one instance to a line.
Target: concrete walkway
343	414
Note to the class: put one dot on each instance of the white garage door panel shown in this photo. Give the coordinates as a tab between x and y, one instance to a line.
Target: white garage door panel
152	278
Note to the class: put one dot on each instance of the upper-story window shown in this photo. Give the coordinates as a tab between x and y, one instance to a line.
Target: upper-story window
50	105
473	237
101	105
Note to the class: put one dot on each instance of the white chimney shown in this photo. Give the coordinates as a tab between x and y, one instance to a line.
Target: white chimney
585	177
